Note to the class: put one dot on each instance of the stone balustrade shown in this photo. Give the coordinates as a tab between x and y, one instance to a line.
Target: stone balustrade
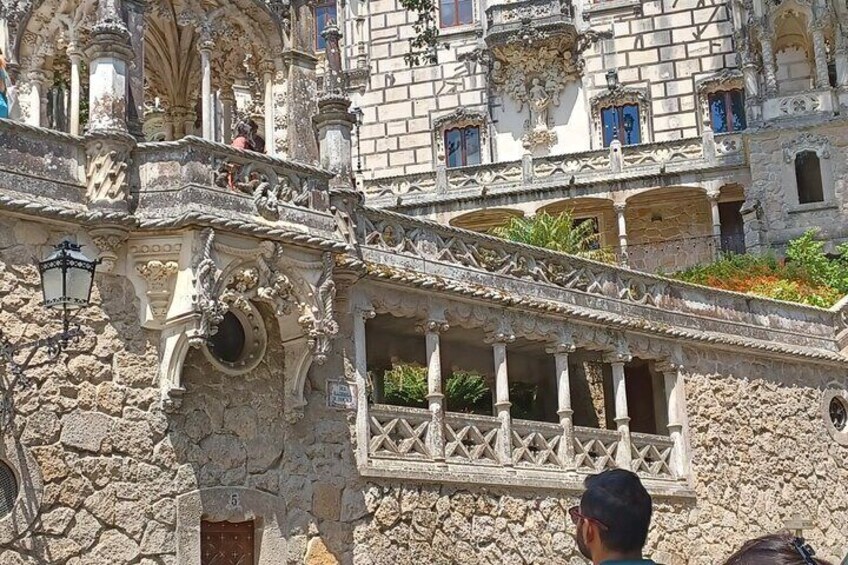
821	101
41	162
510	21
584	169
398	436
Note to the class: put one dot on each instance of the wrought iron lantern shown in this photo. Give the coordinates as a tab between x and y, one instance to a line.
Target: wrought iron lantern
67	276
628	126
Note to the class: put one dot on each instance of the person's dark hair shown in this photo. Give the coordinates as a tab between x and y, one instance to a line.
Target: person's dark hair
242	129
253	125
775	549
617	499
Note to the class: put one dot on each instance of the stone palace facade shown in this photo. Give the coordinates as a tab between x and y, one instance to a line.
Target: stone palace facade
224	404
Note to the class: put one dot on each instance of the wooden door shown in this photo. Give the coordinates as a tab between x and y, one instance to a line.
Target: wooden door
226	543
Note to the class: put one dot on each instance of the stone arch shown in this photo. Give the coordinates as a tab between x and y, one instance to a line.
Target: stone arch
485	220
601	209
231	504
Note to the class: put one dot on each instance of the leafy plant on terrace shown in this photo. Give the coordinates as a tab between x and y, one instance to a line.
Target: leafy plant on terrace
806	276
405	384
558	232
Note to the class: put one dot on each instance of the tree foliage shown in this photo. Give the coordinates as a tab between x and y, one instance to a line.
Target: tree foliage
556	232
405	384
423	46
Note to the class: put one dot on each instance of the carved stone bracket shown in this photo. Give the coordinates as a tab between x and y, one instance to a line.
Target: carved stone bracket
107	239
107	159
807	141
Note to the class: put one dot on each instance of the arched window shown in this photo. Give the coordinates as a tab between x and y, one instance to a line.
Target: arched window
808	177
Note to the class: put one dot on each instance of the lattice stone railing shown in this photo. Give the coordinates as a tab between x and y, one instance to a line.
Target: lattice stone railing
595	450
401	433
588	167
398	432
651	455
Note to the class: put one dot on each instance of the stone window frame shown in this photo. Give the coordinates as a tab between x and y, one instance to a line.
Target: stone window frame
821	146
30	489
840	437
722	81
232	504
621	96
462	117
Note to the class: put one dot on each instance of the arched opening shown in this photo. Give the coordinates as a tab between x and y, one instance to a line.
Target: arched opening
485	220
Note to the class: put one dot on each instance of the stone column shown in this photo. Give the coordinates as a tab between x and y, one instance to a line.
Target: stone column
712	197
566	445
334	121
769	71
841	58
268	82
109	55
37	105
205	48
75	56
435	399
361	379
228	101
499	341
675	402
620	208
624	454
135	19
820	54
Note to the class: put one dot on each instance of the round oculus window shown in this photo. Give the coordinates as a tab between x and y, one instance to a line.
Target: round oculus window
838	412
8	489
228	343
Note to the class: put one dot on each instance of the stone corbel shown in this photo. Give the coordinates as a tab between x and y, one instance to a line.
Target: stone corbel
152	267
108	239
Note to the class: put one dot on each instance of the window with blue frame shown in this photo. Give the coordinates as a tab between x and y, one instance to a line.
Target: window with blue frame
462	146
324	14
727	111
621	123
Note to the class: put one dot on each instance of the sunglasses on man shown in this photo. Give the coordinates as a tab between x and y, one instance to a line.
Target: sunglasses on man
576	516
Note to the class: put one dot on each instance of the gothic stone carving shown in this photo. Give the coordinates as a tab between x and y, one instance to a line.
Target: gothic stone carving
459	118
269	191
806	142
108	158
726	79
158	276
619	97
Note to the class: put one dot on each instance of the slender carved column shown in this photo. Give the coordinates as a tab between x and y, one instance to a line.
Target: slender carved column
712	197
205	48
820	54
37	106
566	445
499	341
268	81
75	56
227	104
361	379
624	453
675	401
435	398
620	208
109	55
841	58
769	71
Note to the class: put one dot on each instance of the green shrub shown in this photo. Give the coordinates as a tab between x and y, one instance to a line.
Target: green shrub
405	384
557	233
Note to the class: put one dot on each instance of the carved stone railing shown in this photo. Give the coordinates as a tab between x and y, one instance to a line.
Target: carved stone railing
41	162
398	444
193	175
427	249
507	21
799	104
589	169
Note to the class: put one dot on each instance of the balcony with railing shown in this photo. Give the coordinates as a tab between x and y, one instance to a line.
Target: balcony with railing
588	171
513	21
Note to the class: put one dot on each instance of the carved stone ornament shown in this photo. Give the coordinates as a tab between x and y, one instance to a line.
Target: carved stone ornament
301	293
460	118
268	190
107	239
158	275
724	80
535	78
107	159
818	144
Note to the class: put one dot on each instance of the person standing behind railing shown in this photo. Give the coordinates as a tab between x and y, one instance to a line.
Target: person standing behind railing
5	86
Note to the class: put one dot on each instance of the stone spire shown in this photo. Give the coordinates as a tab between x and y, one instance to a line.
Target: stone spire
334	121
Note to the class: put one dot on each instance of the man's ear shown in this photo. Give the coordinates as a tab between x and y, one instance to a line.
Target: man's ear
590	532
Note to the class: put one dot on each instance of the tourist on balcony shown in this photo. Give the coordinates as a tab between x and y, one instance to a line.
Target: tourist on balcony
242	138
776	549
612	518
5	86
256	140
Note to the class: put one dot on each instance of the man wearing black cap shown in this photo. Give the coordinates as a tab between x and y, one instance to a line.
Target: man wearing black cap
612	518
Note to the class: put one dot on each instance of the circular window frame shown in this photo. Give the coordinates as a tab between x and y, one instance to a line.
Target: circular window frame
255	341
30	489
829	395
